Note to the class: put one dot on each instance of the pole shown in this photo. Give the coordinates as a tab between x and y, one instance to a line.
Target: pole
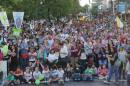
113	7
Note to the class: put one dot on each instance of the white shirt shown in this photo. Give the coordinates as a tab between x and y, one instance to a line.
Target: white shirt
52	57
28	76
64	52
63	36
45	73
32	56
83	56
36	74
61	74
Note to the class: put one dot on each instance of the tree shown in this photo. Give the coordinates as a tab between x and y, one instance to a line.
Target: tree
37	9
94	10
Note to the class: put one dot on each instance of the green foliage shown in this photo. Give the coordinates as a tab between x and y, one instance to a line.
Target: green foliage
94	10
37	9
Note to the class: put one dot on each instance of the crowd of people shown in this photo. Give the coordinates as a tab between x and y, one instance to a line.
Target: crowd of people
83	50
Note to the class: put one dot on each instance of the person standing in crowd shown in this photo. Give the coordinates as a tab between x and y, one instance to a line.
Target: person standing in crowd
23	54
122	58
63	55
113	66
52	58
128	70
87	48
74	54
32	55
40	53
13	58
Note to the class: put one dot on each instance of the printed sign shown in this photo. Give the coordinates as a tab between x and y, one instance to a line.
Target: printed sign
4	19
122	7
18	18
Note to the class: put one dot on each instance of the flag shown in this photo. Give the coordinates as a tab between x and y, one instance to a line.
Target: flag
119	23
4	19
18	18
16	31
82	18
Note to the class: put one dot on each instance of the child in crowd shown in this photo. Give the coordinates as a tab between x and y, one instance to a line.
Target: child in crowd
68	72
46	72
10	79
88	73
54	75
95	71
61	76
36	73
76	73
28	75
103	72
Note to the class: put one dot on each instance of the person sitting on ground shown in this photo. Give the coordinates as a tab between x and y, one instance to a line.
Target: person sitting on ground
54	75
10	79
28	75
103	72
61	75
76	73
88	73
36	73
95	71
18	74
68	72
45	72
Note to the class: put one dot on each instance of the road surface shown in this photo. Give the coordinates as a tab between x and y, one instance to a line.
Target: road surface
83	83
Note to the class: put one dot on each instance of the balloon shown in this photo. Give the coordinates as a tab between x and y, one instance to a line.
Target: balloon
41	77
37	82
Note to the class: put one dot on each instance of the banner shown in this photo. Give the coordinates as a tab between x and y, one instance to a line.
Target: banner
122	7
4	19
16	31
18	18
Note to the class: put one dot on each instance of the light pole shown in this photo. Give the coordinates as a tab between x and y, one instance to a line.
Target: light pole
113	6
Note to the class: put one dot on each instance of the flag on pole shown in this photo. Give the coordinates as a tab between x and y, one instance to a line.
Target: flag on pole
18	18
119	23
4	19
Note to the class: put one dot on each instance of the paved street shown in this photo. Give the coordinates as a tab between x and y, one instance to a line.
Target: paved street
96	83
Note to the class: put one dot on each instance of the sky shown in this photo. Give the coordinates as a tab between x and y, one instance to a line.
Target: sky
84	2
